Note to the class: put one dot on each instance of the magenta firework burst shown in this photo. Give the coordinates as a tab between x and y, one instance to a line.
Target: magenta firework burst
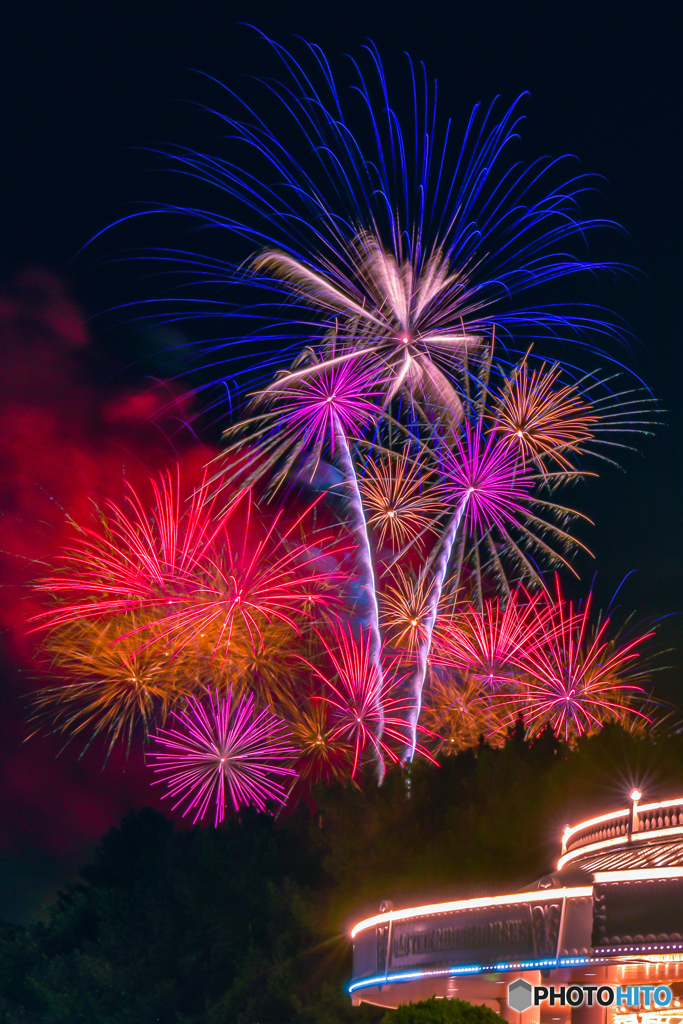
487	477
223	752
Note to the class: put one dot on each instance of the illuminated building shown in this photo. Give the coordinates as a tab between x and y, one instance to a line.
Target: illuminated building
611	914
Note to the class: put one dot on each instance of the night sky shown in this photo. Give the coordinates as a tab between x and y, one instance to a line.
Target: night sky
85	396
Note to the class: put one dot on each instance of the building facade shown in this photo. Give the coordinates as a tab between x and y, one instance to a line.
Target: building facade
611	914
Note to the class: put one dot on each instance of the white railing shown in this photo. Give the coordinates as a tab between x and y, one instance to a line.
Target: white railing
623	826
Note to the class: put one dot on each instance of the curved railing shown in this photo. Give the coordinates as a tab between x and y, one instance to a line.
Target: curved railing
628	824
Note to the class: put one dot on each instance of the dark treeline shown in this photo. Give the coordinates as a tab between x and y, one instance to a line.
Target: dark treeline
248	924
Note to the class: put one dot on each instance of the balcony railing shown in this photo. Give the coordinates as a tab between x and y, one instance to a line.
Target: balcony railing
625	825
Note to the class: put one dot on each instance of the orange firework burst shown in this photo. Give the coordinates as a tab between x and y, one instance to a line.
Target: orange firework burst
400	495
552	420
405	609
545	417
456	715
116	685
113	685
324	755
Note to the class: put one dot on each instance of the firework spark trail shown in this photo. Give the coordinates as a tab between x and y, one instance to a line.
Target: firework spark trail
224	748
398	329
440	569
491	486
366	575
325	755
312	415
551	420
545	420
360	697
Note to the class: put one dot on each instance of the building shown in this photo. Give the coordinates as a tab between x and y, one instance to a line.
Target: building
611	913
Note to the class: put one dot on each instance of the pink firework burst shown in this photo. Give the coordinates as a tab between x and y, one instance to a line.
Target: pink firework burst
224	751
484	644
364	710
576	677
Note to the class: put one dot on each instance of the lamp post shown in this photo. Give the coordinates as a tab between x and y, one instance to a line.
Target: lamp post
636	795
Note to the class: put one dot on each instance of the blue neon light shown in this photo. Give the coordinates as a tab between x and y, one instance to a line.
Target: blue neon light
522	965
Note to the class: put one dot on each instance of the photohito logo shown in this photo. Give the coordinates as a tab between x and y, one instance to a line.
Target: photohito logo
522	995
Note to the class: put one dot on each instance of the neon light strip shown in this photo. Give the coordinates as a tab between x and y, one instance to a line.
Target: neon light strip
662	803
539	895
523	965
637	837
571	829
636	875
582	850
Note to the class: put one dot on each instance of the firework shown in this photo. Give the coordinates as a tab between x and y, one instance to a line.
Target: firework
397	257
165	601
394	315
308	416
361	699
405	610
457	716
493	488
576	676
397	266
402	497
483	645
490	486
113	687
545	418
553	422
405	240
305	416
196	575
224	751
324	754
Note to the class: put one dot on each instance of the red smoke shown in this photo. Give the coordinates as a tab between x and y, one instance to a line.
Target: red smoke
64	444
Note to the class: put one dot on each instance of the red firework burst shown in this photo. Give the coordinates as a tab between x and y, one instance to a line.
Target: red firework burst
364	711
193	571
576	677
484	644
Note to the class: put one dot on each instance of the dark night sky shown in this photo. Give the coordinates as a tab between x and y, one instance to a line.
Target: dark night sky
83	84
